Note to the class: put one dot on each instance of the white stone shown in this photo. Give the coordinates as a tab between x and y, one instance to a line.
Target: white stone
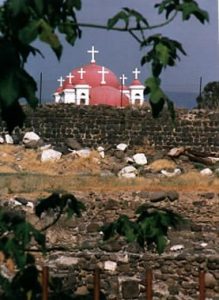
100	150
1	140
50	155
176	172
214	159
128	172
83	152
175	152
30	136
177	248
67	261
110	265
206	172
9	139
129	159
129	175
45	147
140	159
123	258
203	244
14	203
122	146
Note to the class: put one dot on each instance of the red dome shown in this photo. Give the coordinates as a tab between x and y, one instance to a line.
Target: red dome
67	86
136	82
109	96
93	78
59	90
81	82
123	87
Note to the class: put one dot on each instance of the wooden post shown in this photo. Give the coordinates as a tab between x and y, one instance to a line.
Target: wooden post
97	284
201	285
45	283
149	289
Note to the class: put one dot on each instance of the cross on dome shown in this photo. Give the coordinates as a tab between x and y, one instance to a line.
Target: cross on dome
93	52
103	72
61	80
123	78
82	72
136	72
70	77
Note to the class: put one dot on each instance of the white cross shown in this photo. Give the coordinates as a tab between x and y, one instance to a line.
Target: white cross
81	72
123	78
61	80
103	72
136	72
70	76
93	52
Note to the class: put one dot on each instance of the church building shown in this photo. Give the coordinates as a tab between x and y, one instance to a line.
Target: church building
93	84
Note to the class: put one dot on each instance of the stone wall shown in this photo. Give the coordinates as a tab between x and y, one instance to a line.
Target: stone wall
123	265
95	126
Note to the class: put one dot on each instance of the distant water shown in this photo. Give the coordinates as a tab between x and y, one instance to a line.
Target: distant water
183	99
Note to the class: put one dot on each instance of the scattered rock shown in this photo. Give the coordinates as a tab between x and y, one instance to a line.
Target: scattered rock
9	139
206	172
122	147
158	196
100	150
128	172
172	195
30	136
50	155
176	172
73	144
86	152
140	159
175	152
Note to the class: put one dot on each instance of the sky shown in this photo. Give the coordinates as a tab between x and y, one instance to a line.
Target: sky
120	52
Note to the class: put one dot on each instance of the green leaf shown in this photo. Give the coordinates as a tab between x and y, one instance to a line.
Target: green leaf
9	88
39	6
29	33
121	16
48	36
17	7
163	54
192	8
160	242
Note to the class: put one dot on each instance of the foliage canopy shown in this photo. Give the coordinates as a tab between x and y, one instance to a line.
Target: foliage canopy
209	97
23	22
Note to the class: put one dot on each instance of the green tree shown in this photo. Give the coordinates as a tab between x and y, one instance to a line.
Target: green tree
17	236
22	22
209	97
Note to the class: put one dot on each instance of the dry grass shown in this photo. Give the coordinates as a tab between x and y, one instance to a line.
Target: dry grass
21	171
18	159
160	164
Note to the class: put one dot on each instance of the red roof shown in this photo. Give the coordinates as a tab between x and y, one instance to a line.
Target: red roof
136	82
109	96
59	90
67	86
93	78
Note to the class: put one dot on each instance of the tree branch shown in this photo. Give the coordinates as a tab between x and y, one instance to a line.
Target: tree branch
105	27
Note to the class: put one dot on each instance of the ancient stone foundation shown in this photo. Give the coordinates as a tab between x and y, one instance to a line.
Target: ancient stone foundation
101	125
